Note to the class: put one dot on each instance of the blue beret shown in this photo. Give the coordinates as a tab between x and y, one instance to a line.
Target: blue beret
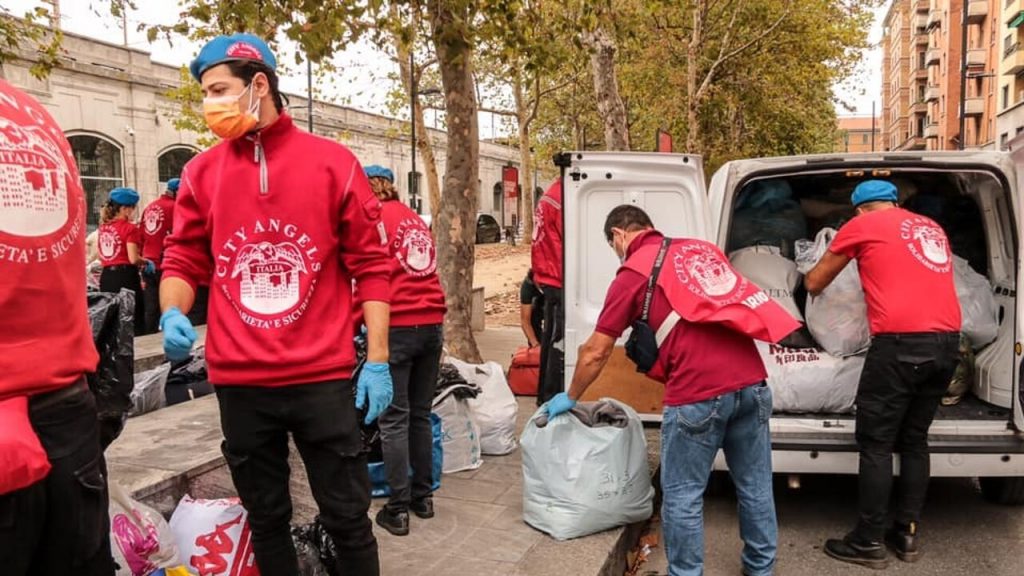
376	171
173	183
124	196
229	48
873	191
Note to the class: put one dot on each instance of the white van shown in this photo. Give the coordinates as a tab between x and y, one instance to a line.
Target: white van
980	437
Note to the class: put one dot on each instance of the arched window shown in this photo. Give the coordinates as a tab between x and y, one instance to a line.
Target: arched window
170	162
101	167
499	198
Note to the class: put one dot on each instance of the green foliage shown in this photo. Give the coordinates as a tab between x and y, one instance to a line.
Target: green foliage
32	31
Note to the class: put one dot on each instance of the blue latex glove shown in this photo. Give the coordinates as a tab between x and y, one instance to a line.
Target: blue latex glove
559	404
150	268
374	386
179	336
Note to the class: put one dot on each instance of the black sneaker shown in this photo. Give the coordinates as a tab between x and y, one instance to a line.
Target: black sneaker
863	553
395	522
423	508
902	540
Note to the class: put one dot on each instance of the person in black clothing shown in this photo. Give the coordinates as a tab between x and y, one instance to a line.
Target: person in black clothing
531	310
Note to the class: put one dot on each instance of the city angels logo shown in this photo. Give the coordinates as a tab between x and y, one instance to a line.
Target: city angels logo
108	243
33	181
414	248
927	242
705	273
268	271
152	220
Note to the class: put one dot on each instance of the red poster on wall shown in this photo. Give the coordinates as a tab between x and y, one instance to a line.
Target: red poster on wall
510	183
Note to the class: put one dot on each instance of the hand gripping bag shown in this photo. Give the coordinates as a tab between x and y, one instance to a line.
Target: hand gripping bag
494	409
140	539
838	317
585	471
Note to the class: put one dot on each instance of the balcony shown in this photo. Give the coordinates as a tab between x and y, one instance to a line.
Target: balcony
977	56
934	17
977	10
915	143
932	93
1016	61
920	107
931	131
933	56
920	22
974	106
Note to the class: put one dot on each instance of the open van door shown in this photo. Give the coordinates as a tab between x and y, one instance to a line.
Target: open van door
670	188
1017	154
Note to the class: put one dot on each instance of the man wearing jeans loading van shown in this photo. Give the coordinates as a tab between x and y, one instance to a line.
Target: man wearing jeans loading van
906	269
707	316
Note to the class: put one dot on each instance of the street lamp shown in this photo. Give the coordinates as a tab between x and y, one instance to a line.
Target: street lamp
414	182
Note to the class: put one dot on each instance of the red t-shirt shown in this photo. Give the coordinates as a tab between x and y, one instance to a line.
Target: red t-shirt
113	240
701	361
157	221
416	295
906	268
546	252
46	342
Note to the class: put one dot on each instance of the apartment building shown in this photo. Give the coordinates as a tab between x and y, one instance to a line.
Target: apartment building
1010	121
904	75
855	134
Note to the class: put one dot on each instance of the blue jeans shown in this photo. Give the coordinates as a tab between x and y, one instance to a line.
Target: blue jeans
691	436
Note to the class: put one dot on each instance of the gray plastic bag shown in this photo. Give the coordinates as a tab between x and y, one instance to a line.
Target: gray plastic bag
585	471
148	393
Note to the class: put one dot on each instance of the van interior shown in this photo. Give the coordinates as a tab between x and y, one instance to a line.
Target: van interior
975	210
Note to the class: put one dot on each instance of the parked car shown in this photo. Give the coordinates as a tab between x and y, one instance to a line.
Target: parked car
487	229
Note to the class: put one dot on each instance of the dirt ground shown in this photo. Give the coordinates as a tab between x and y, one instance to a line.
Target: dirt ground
500	269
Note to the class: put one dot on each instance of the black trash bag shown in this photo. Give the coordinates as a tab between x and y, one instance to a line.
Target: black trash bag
307	549
188	379
449	376
325	545
113	333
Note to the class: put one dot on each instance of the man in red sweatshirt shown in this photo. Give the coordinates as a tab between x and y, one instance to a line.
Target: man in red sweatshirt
546	262
157	220
280	222
50	524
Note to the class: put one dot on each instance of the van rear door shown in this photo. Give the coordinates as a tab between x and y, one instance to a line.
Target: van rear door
670	188
1017	154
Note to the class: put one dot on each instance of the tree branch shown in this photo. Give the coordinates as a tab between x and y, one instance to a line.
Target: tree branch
496	111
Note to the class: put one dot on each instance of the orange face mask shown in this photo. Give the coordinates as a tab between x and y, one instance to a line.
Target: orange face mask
226	119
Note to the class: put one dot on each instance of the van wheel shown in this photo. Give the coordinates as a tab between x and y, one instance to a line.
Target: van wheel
1008	491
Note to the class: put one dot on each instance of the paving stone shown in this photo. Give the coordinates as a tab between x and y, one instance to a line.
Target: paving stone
499	545
472	490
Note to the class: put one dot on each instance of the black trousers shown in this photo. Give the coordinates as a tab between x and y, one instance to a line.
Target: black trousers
904	378
321	418
115	278
151	299
59	526
552	351
405	433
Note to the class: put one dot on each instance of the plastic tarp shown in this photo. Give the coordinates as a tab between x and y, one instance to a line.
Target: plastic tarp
140	539
977	304
213	537
767	215
585	471
838	317
494	409
148	393
810	381
379	475
460	435
113	331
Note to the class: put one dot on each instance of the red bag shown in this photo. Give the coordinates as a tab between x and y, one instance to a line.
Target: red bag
524	372
23	460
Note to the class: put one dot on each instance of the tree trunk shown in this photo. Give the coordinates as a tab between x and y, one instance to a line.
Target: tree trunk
455	227
424	144
523	117
692	60
606	87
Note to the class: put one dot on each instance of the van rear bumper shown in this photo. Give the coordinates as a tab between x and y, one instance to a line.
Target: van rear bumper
1008	443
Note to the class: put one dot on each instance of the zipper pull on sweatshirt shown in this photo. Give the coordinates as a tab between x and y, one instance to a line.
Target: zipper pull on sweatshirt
260	156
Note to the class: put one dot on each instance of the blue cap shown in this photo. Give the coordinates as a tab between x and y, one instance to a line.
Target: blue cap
172	184
124	196
873	191
376	171
231	48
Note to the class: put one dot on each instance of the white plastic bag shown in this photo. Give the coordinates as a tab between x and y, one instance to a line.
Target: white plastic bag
977	304
772	272
838	317
580	479
149	394
140	539
460	435
494	409
213	537
809	380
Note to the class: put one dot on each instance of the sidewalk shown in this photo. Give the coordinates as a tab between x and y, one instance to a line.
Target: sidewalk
478	528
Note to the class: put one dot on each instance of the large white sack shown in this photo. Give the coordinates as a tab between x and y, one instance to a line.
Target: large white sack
838	317
140	539
772	272
809	380
578	479
149	392
213	537
460	435
494	409
977	304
